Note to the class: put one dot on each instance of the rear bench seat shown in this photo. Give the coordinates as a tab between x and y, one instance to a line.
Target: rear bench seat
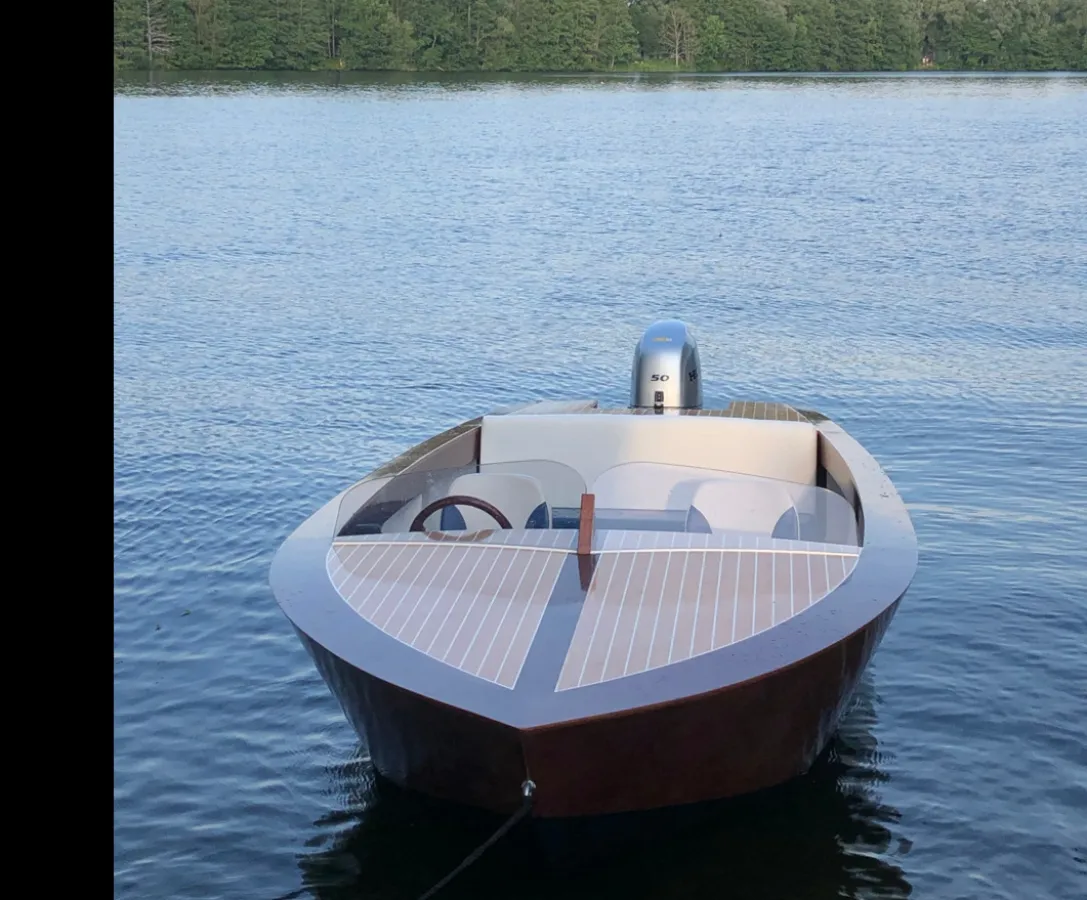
592	443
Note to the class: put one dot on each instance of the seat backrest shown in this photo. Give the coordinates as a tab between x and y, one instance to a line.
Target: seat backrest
752	507
591	443
737	503
644	485
520	498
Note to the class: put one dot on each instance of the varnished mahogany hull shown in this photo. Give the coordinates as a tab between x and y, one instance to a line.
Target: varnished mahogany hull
714	745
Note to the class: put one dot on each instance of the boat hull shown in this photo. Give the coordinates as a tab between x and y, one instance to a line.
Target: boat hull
720	744
535	697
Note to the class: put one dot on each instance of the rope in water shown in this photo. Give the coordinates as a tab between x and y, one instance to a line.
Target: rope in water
527	790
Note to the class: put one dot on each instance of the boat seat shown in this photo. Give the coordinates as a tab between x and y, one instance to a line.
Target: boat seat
751	507
589	444
518	497
734	503
649	485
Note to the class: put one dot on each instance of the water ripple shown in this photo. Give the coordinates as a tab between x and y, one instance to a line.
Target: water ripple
312	274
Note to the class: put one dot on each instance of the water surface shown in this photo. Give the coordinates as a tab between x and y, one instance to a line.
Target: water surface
312	274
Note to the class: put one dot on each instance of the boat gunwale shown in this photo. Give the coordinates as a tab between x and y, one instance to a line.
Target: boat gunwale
885	567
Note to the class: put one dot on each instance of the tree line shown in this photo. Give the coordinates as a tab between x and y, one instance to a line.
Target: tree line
601	35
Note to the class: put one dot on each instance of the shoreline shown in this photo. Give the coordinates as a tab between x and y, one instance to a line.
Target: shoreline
928	71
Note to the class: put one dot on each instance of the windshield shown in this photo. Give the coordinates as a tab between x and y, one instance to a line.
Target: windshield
663	497
516	490
629	497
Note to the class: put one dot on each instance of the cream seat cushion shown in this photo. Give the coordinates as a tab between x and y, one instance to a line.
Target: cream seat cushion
591	443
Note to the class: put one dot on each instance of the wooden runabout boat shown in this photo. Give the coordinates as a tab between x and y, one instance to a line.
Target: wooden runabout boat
629	608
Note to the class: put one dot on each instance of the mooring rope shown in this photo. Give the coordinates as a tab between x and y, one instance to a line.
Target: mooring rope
527	789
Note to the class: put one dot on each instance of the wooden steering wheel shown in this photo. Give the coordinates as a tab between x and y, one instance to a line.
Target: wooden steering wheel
458	500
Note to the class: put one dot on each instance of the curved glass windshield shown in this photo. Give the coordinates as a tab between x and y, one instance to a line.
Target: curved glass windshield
664	497
526	494
633	496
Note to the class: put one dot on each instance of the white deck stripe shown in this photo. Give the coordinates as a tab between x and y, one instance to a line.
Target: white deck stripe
637	617
656	617
392	584
735	600
362	578
407	592
434	606
350	573
453	604
471	606
599	614
341	566
615	627
679	607
423	593
698	604
811	593
521	621
773	592
755	591
509	606
487	612
792	602
342	570
378	582
536	626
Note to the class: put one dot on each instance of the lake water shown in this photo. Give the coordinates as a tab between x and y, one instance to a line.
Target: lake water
312	274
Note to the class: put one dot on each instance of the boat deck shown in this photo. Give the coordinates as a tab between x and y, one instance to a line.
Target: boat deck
478	602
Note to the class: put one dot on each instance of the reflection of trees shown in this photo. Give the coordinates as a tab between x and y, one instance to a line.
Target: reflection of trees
826	835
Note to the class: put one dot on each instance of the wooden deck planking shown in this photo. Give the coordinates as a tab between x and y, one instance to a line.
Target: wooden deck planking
605	641
461	605
743	603
474	607
690	599
664	628
498	607
477	605
707	613
490	587
635	650
765	593
677	605
424	594
531	601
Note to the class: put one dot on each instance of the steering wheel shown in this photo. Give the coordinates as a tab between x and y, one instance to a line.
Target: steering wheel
458	500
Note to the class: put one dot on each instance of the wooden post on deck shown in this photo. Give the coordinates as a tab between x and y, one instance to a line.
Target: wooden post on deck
586	562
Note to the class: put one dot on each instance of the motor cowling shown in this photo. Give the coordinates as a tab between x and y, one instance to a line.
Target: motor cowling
666	373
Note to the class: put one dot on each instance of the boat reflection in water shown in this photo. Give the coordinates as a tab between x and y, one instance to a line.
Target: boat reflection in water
826	834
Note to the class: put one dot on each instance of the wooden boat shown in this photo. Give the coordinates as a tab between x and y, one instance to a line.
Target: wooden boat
628	609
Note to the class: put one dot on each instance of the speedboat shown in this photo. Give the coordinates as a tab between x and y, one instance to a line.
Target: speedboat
625	609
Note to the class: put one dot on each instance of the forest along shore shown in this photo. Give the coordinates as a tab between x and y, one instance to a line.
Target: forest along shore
601	35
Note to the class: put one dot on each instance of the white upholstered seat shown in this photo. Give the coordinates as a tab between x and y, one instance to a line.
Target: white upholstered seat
751	506
591	443
726	502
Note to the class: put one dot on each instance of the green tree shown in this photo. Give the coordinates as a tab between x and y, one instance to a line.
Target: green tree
373	38
712	42
617	40
469	35
129	49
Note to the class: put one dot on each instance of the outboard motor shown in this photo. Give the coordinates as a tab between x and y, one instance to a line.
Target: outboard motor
666	371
